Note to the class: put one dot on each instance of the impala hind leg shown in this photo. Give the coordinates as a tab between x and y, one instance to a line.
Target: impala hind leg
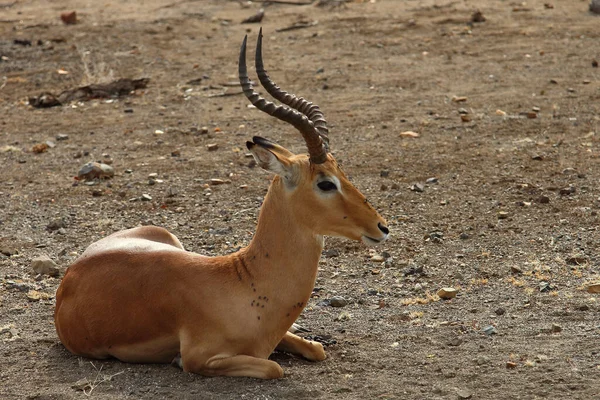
239	365
308	349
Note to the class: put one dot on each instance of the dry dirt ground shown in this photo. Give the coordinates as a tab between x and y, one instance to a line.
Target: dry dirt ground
510	220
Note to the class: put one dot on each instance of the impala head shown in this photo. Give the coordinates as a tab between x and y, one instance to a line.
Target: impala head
317	190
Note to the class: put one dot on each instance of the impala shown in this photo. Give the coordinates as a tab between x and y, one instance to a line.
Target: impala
138	296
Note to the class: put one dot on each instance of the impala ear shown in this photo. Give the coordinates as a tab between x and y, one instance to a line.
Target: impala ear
263	152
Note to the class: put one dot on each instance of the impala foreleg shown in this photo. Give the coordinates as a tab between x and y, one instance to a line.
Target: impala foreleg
308	349
239	365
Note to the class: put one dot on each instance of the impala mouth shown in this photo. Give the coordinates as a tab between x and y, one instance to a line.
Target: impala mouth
369	241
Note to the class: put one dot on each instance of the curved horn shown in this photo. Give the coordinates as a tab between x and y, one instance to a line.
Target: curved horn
314	143
312	111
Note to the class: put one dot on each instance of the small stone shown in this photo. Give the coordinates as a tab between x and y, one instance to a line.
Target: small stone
535	109
62	136
490	330
377	258
69	18
410	134
204	130
459	99
465	118
464	236
338	301
215	182
477	16
343	316
95	170
464	394
511	365
503	215
554	81
383	187
395	186
532	115
82	385
431	181
455	341
146	197
8	251
593	287
546	287
384	173
576	260
175	153
447	293
543	200
556	328
329	253
45	265
55	225
39	148
212	146
567	191
515	270
34	295
500	311
417	187
500	113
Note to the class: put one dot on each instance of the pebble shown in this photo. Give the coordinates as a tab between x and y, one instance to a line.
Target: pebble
410	134
503	214
34	295
567	191
576	260
556	328
215	181
464	394
212	146
593	288
431	180
82	385
447	293
95	170
511	365
45	265
343	316
464	236
500	311
459	99
543	200
546	287
56	224
329	253
490	330
8	251
146	197
62	136
338	301
377	258
515	270
463	111
455	341
465	118
417	187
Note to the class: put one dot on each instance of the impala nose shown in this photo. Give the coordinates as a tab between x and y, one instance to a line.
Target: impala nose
383	228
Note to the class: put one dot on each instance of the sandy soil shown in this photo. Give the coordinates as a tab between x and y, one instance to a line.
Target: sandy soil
511	219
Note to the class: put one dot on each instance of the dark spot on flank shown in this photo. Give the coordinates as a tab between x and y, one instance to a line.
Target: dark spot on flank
263	306
254	258
254	289
252	284
288	314
267	255
266	298
259	297
258	317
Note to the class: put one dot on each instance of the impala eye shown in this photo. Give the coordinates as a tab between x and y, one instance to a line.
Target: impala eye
326	186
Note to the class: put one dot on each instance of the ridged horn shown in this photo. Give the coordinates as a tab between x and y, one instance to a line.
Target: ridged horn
317	149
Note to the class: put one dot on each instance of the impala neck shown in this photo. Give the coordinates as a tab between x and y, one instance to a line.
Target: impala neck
283	247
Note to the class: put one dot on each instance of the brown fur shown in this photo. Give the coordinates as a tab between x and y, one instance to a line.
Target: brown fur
138	296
